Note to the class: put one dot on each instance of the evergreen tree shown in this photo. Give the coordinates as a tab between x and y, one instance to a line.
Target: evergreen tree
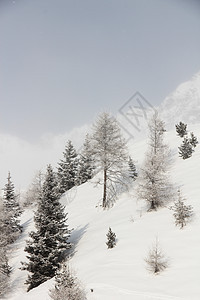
181	129
12	212
67	285
4	272
4	266
86	163
193	140
67	169
111	239
185	150
48	244
110	155
132	169
153	184
156	260
182	212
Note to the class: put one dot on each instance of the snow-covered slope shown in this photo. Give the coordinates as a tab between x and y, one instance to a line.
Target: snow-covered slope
120	273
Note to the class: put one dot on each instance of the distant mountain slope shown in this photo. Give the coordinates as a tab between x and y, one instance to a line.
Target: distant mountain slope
183	104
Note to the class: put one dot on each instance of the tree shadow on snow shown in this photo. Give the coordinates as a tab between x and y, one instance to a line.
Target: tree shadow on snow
75	238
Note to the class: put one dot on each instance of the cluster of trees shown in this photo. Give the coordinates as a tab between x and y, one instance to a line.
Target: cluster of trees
189	143
105	152
10	229
48	247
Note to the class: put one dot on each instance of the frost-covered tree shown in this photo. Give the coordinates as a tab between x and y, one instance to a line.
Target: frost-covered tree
12	211
4	266
186	149
67	169
33	193
181	129
193	140
67	286
4	272
109	151
156	261
132	169
182	212
153	184
86	163
49	243
111	239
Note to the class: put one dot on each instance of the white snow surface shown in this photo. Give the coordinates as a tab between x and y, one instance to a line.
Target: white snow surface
120	273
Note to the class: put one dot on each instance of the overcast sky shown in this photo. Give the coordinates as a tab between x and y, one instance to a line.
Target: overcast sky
64	61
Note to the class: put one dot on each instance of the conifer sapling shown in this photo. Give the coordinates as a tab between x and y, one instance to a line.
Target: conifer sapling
111	239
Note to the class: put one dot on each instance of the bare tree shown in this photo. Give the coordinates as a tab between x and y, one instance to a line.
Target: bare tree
110	155
156	260
33	193
153	184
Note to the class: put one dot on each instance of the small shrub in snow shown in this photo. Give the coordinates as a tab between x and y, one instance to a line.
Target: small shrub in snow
182	212
156	260
132	169
111	236
67	286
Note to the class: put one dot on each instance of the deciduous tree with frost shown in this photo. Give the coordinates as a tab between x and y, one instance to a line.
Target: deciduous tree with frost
110	155
67	286
156	261
153	183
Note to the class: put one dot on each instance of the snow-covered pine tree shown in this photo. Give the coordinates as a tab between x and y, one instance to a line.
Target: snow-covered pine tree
110	155
67	169
132	169
156	260
4	272
153	184
4	266
49	243
193	140
186	149
12	212
111	239
86	163
181	129
67	286
182	212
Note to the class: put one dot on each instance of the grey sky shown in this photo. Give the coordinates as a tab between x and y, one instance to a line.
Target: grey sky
62	61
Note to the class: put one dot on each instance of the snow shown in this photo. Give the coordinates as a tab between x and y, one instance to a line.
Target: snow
120	273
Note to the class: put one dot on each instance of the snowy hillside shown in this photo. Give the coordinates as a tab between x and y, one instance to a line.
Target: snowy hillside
183	104
120	273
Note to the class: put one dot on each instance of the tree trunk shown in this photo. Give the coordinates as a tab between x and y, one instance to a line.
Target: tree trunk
104	188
